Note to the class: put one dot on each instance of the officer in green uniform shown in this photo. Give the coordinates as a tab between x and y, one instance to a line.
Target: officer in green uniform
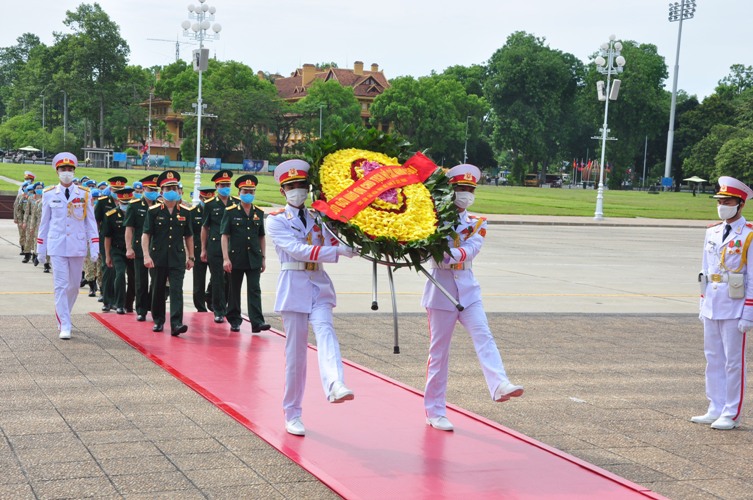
243	251
113	230
211	245
196	216
166	238
134	222
104	204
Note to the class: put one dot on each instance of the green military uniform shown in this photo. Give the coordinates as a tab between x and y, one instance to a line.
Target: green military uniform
104	204
113	229
196	216
214	209
135	218
167	231
246	256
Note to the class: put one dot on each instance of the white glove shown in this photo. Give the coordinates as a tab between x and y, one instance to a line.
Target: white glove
345	251
744	325
93	256
41	257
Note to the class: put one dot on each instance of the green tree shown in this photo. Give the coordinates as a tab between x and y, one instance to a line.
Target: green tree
735	158
740	78
12	61
337	104
702	159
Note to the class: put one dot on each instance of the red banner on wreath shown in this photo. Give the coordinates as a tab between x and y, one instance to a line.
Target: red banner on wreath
361	193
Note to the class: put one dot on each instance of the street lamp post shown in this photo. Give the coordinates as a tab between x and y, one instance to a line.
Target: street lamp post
65	117
149	132
202	14
43	113
609	62
321	106
465	147
678	11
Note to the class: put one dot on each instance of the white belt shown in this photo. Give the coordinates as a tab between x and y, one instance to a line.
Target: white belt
300	266
717	278
455	267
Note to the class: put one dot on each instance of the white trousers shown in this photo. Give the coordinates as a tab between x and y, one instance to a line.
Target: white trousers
66	276
441	325
724	347
296	326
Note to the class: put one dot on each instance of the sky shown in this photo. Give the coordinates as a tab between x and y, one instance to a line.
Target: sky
412	37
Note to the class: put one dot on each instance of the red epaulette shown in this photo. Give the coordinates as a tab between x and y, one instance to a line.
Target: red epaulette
749	224
277	212
715	224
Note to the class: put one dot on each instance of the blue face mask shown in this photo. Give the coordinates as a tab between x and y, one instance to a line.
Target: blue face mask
95	193
151	195
138	195
224	192
171	195
39	191
124	206
247	198
105	192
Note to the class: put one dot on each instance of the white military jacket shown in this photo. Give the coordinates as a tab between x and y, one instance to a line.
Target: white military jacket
720	257
67	225
455	274
299	289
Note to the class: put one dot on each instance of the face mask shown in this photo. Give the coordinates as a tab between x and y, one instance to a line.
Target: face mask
296	197
171	196
224	192
124	206
726	212
65	177
105	192
151	195
138	195
39	191
247	198
464	199
95	193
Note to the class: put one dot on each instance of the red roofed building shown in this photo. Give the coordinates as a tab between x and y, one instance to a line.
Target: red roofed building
366	86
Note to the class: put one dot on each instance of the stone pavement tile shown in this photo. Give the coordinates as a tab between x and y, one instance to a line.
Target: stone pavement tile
566	443
248	442
683	469
599	457
61	439
63	470
137	465
679	490
216	460
106	421
75	488
53	454
128	435
283	473
11	473
154	482
266	491
148	407
728	488
124	450
24	400
201	445
645	454
219	478
170	495
181	428
639	473
35	426
230	429
260	457
306	490
16	491
611	440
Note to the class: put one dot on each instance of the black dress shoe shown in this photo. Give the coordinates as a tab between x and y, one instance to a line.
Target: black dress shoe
120	310
158	327
105	308
141	317
27	257
178	330
46	267
101	299
219	319
258	328
235	328
35	260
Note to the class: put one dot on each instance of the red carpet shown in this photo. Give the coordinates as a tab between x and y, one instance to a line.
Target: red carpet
376	446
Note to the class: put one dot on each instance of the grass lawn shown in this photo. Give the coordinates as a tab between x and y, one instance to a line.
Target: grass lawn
489	199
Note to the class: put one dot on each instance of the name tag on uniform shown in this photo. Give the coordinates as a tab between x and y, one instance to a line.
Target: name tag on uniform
56	201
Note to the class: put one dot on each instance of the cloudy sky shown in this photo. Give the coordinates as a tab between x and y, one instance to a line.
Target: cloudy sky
413	37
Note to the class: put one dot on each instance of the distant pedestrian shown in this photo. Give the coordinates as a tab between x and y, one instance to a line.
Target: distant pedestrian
66	229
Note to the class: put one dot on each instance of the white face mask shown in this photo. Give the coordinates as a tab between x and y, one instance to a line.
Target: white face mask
296	197
726	212
66	177
464	199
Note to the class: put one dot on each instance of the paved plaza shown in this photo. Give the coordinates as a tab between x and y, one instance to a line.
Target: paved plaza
597	320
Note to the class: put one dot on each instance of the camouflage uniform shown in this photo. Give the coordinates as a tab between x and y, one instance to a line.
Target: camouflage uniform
19	210
34	215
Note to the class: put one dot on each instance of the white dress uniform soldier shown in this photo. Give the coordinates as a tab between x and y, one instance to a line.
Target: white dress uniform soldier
726	305
455	275
66	232
305	293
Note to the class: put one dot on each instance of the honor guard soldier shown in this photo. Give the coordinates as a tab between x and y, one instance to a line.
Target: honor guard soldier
106	203
167	235
196	216
33	216
19	214
138	190
243	250
211	244
114	232
134	223
66	228
305	293
454	273
726	305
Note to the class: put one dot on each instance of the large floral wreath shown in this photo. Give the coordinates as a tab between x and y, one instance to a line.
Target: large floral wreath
407	223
